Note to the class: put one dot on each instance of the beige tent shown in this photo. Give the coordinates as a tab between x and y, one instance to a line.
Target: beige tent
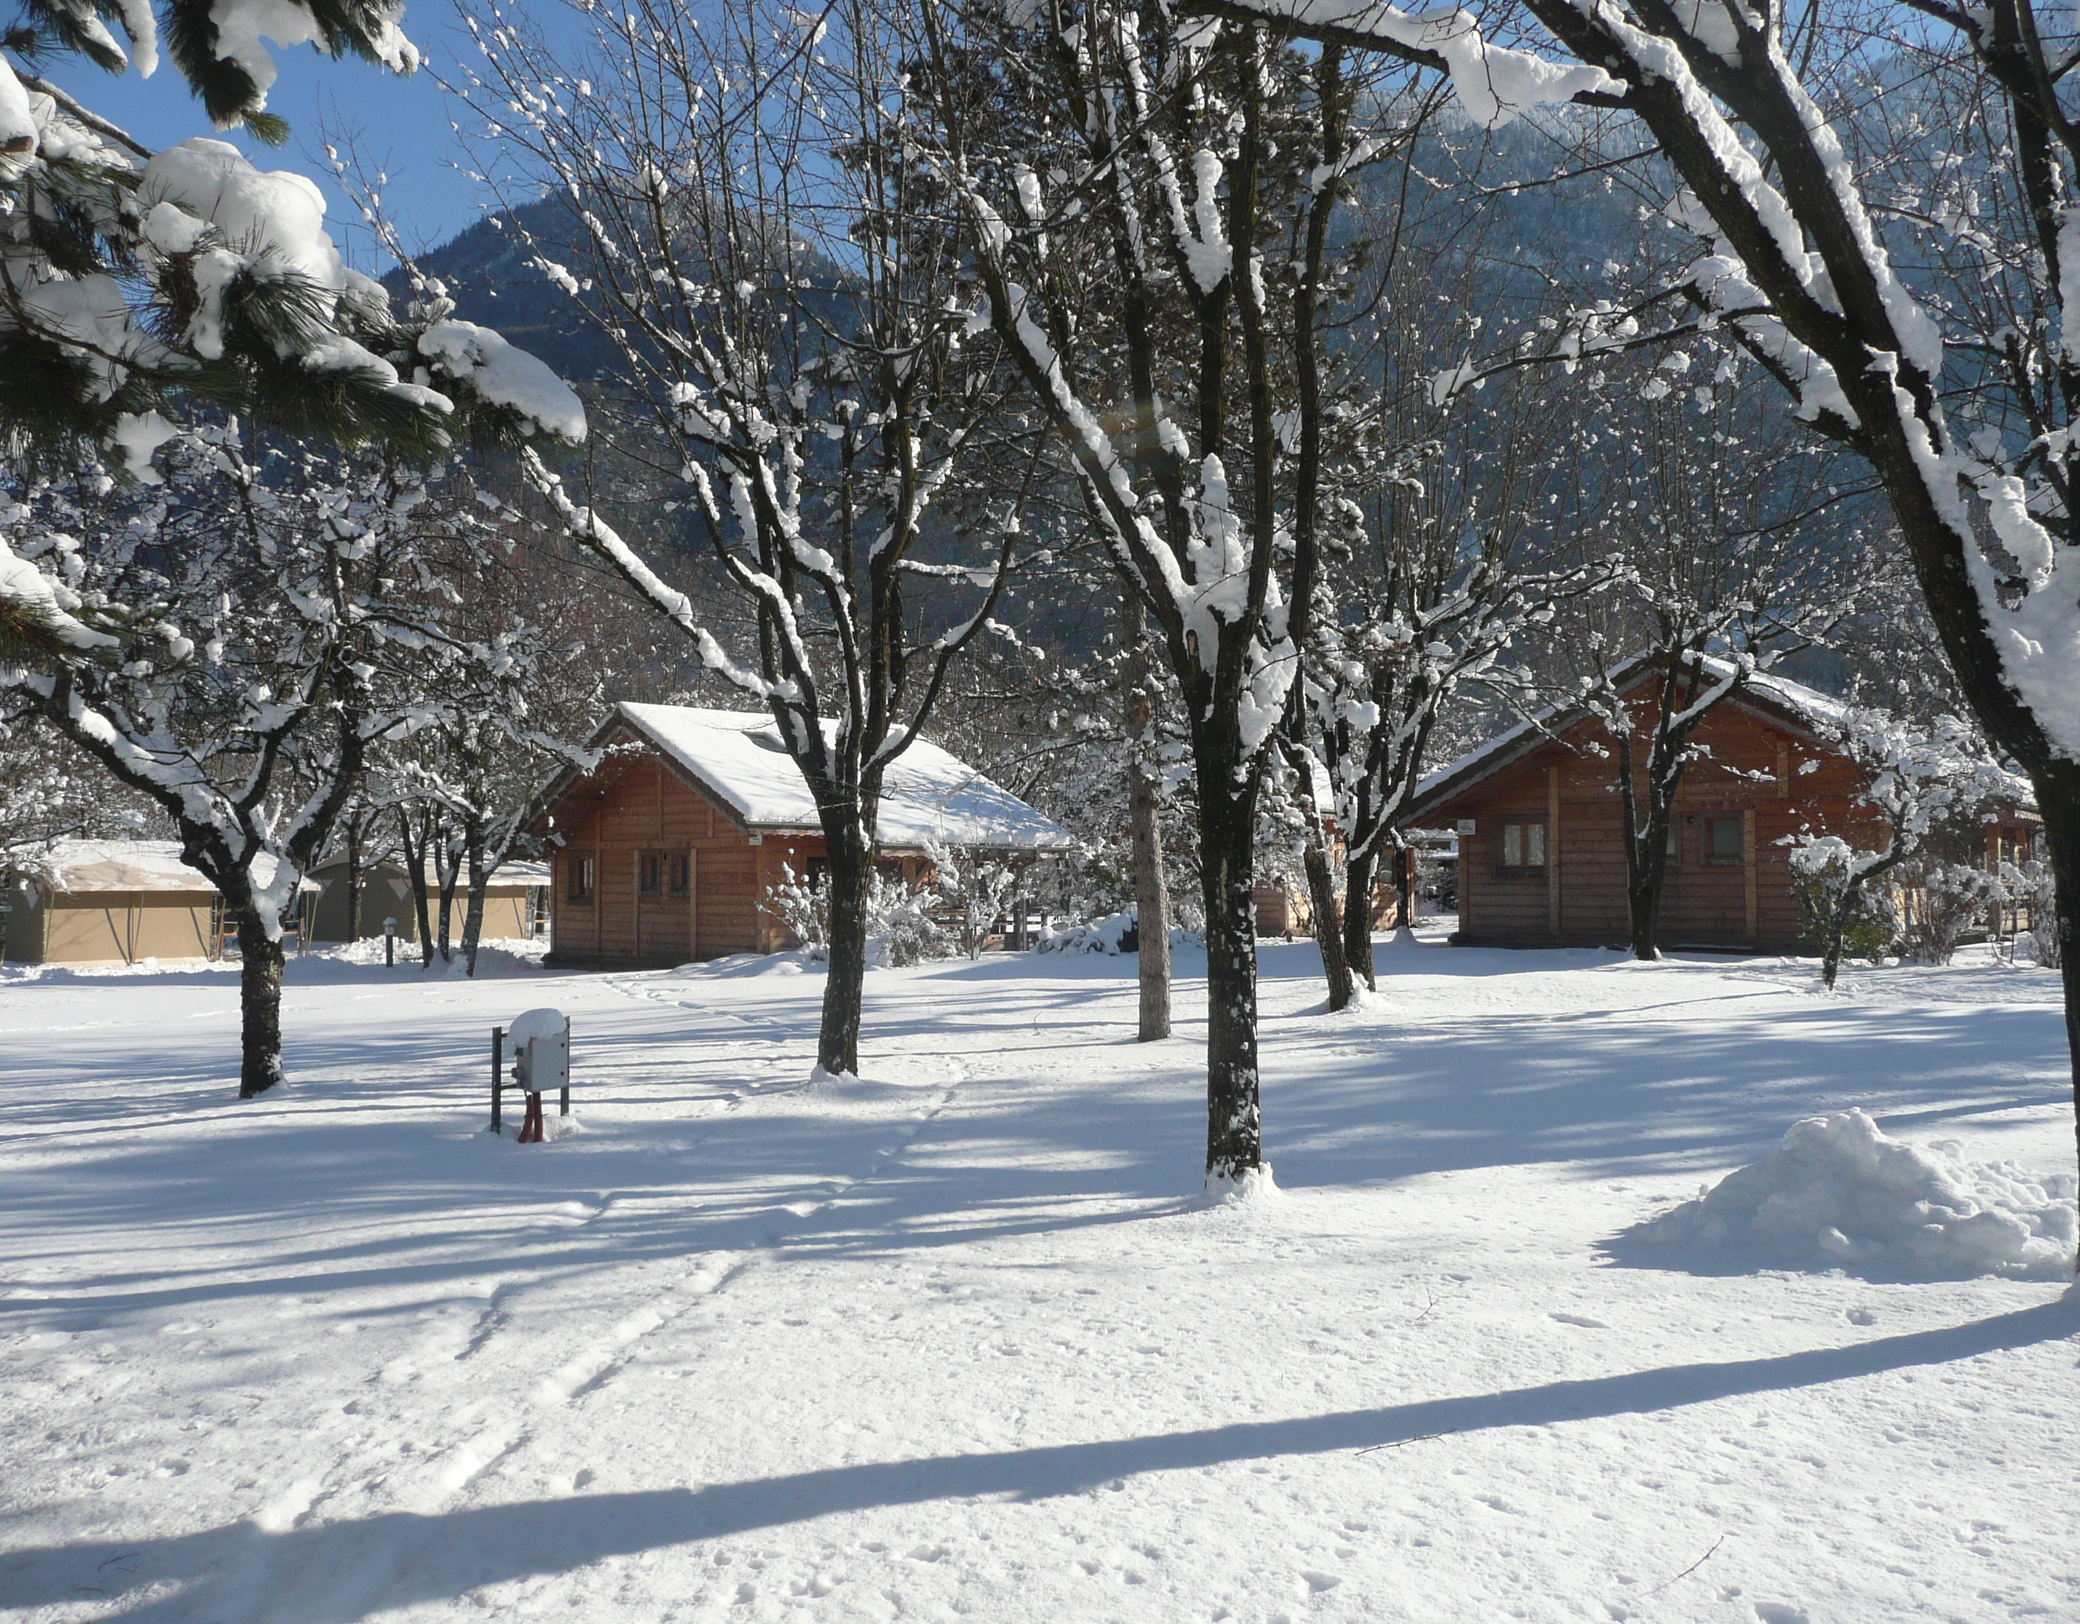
108	902
515	902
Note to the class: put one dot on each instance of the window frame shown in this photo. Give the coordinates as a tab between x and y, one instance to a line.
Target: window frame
1708	854
581	878
1521	871
678	873
650	873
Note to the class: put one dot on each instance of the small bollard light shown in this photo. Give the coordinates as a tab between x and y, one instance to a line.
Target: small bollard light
390	942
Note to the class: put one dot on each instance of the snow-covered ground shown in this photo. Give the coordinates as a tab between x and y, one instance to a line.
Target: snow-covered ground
960	1341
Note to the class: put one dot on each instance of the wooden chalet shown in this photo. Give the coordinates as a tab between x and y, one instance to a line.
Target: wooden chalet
667	851
1541	833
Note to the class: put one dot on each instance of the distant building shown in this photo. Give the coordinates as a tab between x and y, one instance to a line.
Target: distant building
109	902
1541	837
516	902
669	848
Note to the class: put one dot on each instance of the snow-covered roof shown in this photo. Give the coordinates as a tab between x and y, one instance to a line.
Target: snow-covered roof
76	867
928	796
1794	702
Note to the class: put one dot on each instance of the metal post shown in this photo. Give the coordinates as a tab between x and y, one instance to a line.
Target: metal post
390	942
563	1107
498	1068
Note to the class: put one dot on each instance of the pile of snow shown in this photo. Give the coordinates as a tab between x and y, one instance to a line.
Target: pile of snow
1105	935
1839	1191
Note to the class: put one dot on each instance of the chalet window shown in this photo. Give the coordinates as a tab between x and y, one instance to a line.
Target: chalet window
578	865
680	871
1674	847
649	872
1523	845
1723	841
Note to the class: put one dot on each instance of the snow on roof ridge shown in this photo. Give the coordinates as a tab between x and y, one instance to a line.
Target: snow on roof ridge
1822	710
73	853
83	863
928	797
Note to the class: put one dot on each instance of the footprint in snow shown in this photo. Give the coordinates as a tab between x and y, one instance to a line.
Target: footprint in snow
1582	1320
1779	1612
1319	1582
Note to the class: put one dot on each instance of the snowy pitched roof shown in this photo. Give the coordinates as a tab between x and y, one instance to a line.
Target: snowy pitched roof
1807	709
928	796
80	867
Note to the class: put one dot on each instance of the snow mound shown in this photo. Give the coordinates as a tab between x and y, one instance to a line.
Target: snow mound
1096	936
1839	1191
1115	933
1253	1186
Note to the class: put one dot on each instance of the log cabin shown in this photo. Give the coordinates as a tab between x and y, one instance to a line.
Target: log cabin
1541	836
668	850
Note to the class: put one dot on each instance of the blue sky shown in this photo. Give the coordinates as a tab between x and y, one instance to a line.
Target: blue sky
400	124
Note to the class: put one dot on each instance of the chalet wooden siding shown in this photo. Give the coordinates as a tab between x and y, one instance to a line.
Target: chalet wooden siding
638	806
1765	780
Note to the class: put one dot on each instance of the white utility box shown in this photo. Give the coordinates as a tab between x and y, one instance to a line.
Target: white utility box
541	1041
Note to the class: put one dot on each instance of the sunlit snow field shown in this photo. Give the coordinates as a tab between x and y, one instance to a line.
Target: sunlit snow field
959	1341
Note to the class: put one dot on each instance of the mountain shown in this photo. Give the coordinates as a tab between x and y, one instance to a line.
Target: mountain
489	272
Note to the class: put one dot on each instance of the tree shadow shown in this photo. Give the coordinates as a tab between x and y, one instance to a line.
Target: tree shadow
403	1559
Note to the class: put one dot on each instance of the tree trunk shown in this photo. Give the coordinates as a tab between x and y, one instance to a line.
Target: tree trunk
259	1004
1328	929
1837	927
1357	916
473	916
1405	888
1646	870
415	871
844	984
1151	883
353	879
2058	801
449	869
1645	913
1227	837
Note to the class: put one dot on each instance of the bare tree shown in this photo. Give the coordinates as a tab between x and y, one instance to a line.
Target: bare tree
1918	782
780	275
1153	207
261	649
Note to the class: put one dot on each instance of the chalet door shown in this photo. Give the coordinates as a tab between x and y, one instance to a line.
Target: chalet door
664	884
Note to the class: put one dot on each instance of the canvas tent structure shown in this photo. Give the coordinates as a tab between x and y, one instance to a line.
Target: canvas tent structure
1541	841
667	851
515	902
109	902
